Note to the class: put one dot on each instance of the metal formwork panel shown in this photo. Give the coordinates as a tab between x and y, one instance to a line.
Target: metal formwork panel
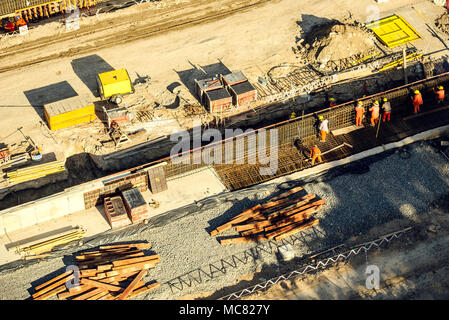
394	31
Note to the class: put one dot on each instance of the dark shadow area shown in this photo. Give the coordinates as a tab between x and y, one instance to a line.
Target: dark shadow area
87	68
309	23
49	94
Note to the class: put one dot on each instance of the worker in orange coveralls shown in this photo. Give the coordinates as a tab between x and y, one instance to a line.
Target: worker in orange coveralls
417	101
375	111
315	154
20	22
439	94
332	103
359	112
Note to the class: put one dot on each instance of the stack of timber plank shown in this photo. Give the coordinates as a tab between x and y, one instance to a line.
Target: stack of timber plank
277	219
113	272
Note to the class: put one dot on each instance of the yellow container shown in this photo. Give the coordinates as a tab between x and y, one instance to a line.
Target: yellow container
69	112
114	82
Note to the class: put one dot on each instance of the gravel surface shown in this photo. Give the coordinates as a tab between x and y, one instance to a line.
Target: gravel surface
396	185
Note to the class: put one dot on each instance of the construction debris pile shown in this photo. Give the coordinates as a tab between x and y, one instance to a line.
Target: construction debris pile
332	43
442	23
113	272
277	219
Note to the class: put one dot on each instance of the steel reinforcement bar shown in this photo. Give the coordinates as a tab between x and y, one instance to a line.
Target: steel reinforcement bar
321	264
303	127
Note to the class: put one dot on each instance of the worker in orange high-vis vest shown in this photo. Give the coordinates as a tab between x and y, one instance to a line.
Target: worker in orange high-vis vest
375	111
417	101
439	94
359	112
315	154
20	22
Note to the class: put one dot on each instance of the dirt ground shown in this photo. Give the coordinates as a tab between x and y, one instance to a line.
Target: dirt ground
411	267
172	42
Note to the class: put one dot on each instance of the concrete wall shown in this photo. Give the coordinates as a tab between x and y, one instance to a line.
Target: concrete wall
45	209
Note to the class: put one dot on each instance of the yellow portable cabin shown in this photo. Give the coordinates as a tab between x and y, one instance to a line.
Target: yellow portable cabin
69	112
116	82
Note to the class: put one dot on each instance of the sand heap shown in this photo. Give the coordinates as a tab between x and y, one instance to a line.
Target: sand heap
336	41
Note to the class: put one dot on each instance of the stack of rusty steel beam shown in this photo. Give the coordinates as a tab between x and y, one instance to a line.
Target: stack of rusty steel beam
113	272
280	217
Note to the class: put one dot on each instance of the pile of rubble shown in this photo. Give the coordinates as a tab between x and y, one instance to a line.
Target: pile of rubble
442	23
335	42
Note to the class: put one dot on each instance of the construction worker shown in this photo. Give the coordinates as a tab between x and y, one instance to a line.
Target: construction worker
20	22
10	26
439	94
375	110
324	128
417	101
315	154
386	108
332	103
293	115
359	112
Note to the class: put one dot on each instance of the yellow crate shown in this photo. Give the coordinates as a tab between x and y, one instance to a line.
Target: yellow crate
394	31
69	112
114	82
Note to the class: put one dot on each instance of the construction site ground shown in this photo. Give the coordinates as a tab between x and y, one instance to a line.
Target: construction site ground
365	199
247	39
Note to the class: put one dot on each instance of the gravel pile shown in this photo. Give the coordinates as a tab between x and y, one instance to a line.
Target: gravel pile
396	185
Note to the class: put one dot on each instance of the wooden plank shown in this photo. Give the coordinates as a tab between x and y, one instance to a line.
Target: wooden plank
287	193
107	254
52	286
228	225
98	296
134	260
89	294
250	226
297	229
301	202
62	275
139	245
73	293
106	260
51	293
310	208
242	239
299	217
99	284
145	289
124	295
140	265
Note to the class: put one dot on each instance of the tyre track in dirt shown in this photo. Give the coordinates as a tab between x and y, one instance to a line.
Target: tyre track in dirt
174	22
